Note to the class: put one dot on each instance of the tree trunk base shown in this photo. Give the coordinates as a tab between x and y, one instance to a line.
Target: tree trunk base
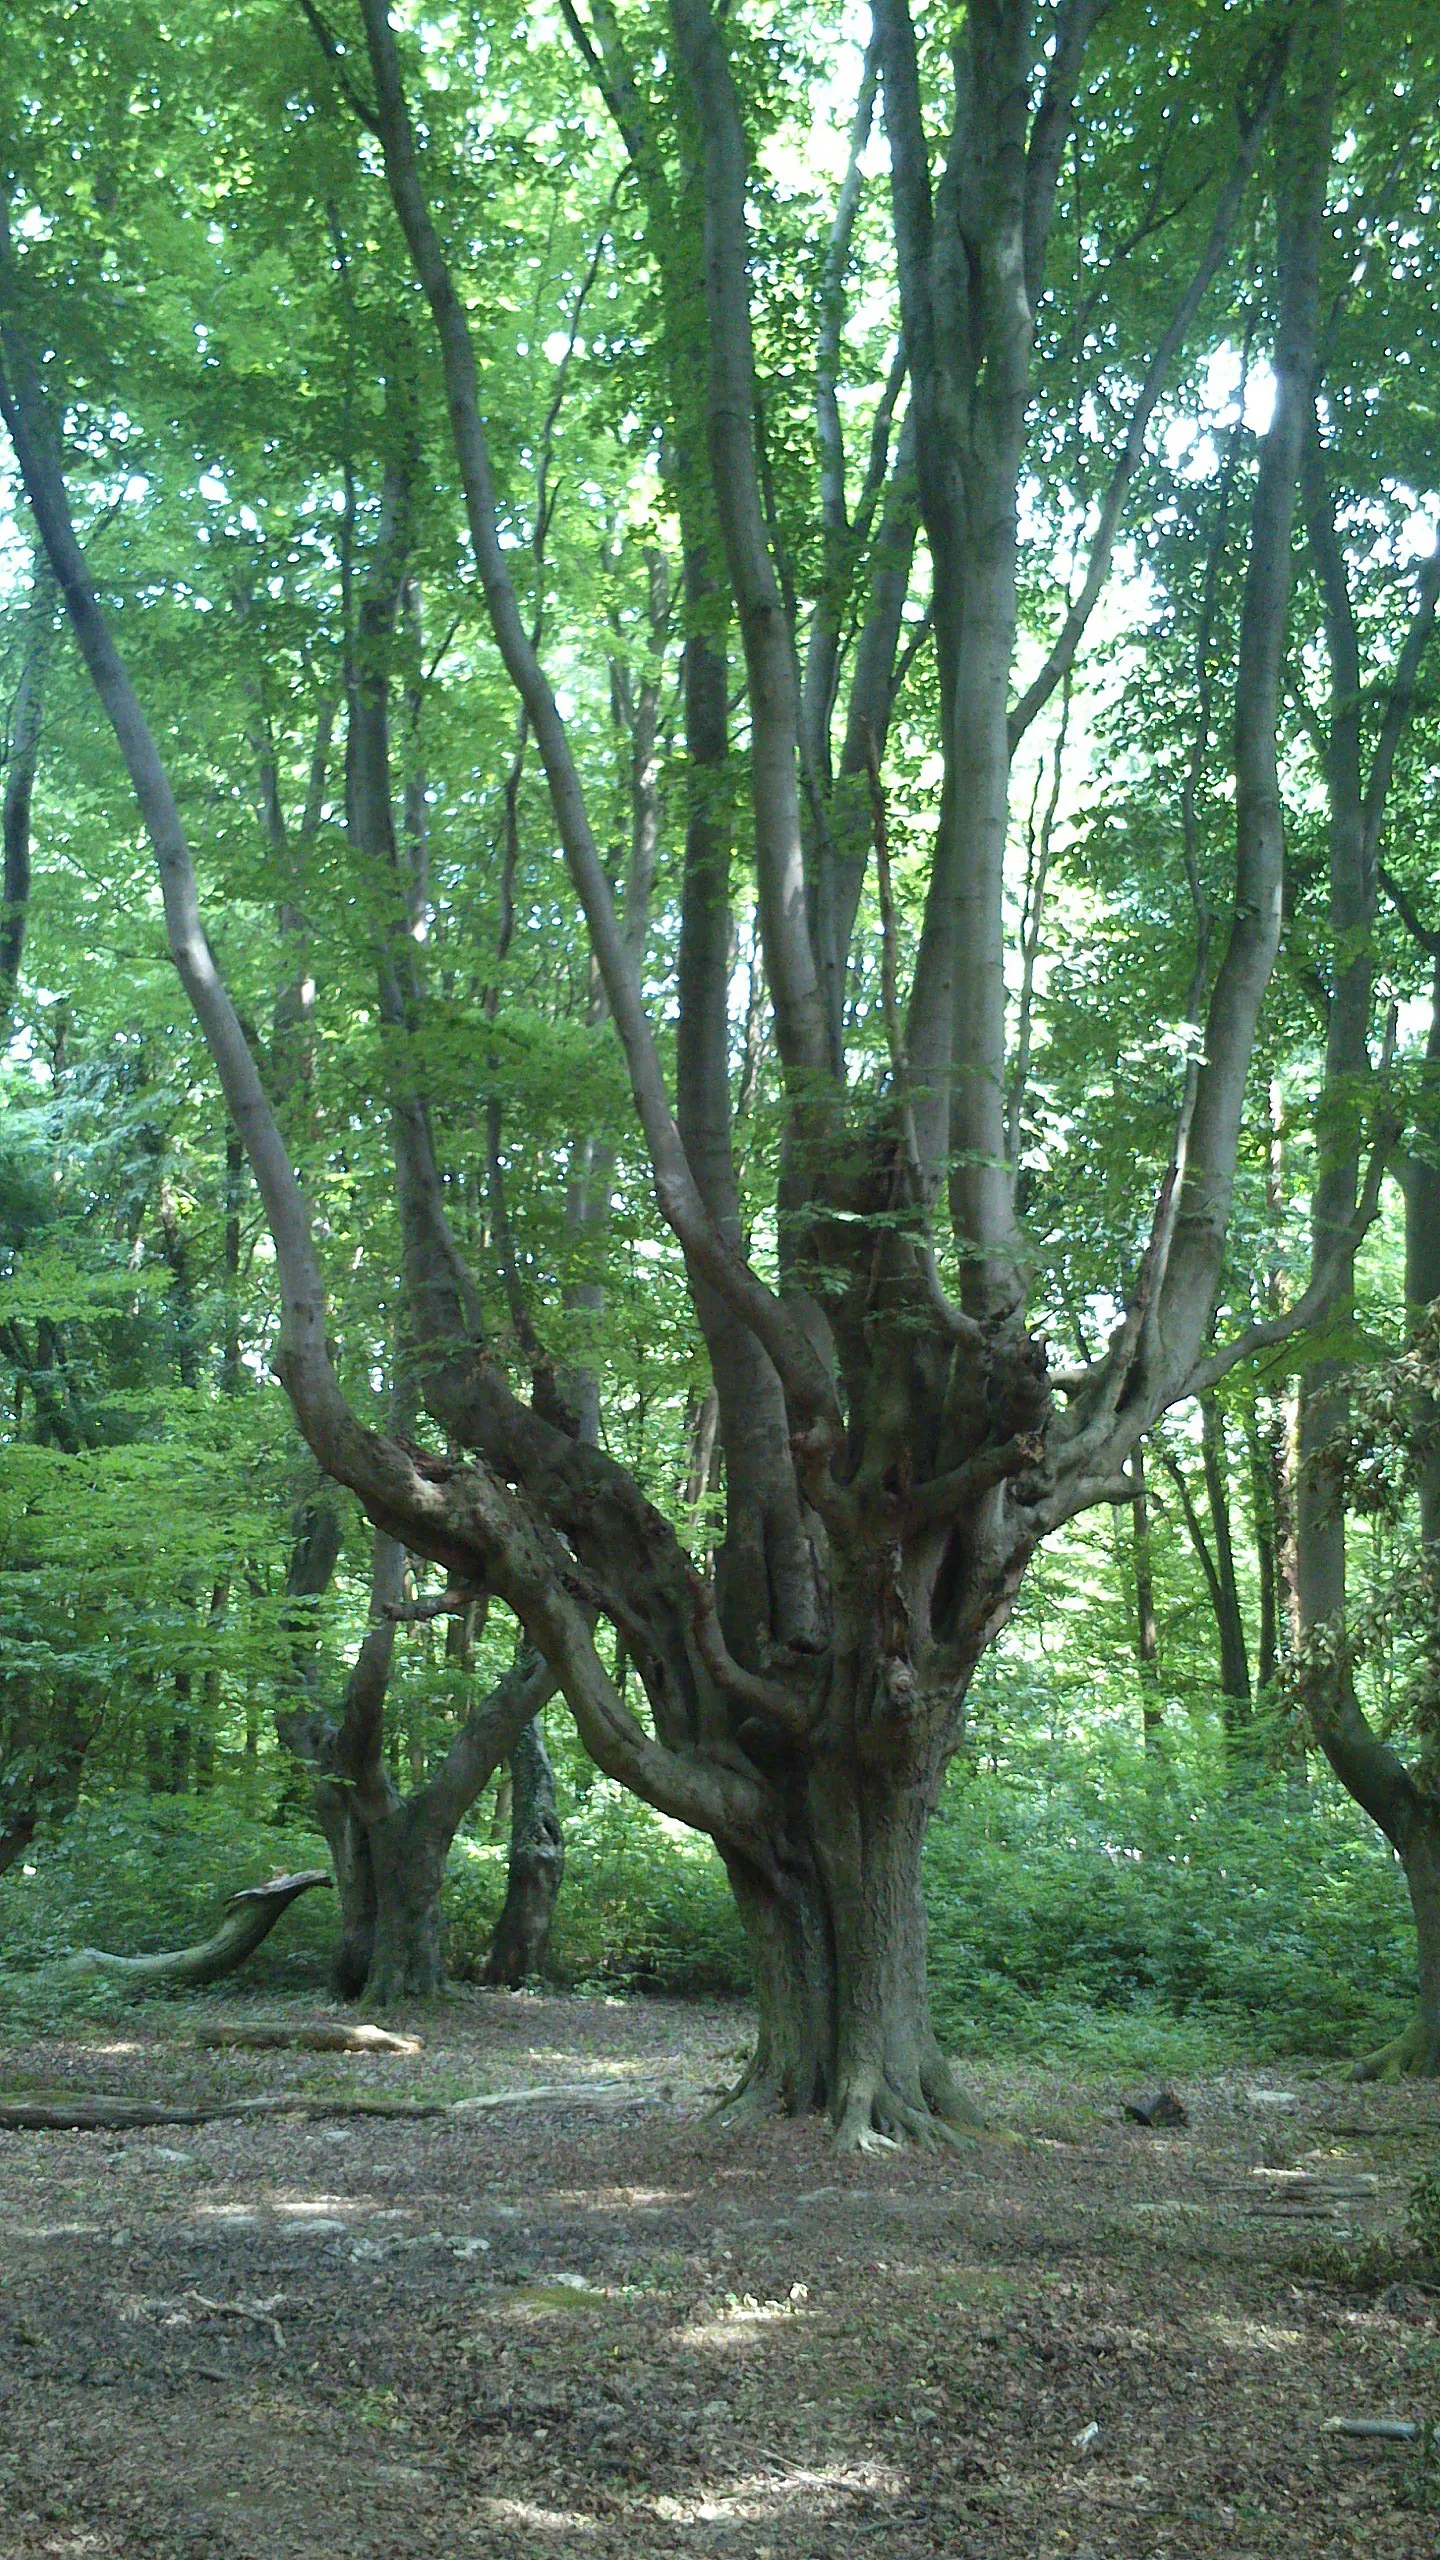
877	2110
870	2109
407	1967
1412	2055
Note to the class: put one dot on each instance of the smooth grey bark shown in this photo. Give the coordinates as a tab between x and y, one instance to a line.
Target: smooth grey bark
1229	1619
1215	1556
1267	1551
537	1850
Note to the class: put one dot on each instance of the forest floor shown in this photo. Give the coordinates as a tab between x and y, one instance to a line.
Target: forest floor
612	2326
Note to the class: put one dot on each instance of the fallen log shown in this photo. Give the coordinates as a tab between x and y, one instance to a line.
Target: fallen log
571	2093
90	2113
83	2114
1376	2430
251	1915
319	2035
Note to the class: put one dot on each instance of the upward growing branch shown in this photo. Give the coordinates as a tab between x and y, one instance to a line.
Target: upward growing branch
305	1355
680	1201
1209	1170
768	637
1156	1352
1062	654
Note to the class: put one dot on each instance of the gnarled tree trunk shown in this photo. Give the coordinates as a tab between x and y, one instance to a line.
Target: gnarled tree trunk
390	1851
892	1454
348	1841
837	1936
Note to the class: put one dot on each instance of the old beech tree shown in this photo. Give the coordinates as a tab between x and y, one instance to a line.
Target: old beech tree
895	1441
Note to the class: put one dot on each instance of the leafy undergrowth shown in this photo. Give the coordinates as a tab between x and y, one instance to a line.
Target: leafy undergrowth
616	2326
1086	1915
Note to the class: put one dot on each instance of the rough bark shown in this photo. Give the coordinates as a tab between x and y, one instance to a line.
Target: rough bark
837	1939
1415	2052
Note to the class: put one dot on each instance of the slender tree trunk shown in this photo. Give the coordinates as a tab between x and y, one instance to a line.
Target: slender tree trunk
1266	1551
1229	1622
1147	1635
235	1169
537	1866
1416	2053
1224	1603
348	1841
1404	1802
22	764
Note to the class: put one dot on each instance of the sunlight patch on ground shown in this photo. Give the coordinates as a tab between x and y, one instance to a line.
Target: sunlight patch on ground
289	2209
741	2316
541	2519
1254	2335
288	2205
759	2496
53	2230
621	2199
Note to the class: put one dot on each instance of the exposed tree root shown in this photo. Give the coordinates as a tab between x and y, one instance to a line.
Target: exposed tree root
875	2116
1413	2055
947	2099
758	2097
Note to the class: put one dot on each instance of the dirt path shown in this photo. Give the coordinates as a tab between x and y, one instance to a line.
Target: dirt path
618	2330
